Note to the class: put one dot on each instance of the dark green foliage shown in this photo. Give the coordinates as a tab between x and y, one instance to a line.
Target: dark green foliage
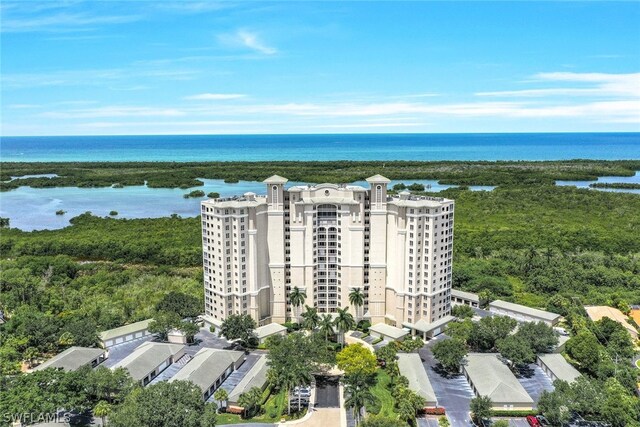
162	241
488	331
240	326
415	187
539	336
185	174
4	222
166	404
181	304
113	213
516	349
481	408
462	311
50	389
377	421
194	194
621	185
213	195
450	353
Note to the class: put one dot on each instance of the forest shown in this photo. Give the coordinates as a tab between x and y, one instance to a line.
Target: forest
523	244
186	174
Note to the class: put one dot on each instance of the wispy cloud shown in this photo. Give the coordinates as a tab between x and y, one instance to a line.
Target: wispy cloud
247	39
94	77
62	22
597	84
114	111
214	96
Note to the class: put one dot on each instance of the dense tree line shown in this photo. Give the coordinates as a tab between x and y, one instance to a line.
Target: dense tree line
185	174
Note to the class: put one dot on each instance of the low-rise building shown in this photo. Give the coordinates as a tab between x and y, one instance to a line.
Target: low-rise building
459	297
429	330
149	359
387	332
597	312
264	332
126	333
75	358
209	368
411	366
256	377
557	368
523	313
490	376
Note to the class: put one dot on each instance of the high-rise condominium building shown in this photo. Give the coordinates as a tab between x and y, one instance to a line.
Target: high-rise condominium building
326	240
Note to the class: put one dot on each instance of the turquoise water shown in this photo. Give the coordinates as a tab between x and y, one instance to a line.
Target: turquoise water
35	208
607	179
519	146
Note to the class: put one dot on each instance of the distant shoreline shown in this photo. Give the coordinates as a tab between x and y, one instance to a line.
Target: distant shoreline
324	147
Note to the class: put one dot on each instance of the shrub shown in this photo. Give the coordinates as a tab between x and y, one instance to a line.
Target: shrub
374	407
434	411
212	329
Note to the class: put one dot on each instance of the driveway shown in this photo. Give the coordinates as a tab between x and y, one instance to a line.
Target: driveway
428	421
327	392
452	390
534	381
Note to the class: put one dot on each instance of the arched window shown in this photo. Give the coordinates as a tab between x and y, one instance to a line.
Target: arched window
274	194
379	194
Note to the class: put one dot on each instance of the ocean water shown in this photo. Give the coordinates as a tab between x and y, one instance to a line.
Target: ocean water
34	208
519	146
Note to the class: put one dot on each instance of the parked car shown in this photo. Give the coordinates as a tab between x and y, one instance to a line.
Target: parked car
543	421
533	421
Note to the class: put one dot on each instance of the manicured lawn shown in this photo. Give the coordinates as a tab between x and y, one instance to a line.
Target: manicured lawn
638	363
382	392
274	409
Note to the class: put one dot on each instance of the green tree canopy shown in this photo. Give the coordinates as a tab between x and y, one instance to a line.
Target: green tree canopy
450	353
165	404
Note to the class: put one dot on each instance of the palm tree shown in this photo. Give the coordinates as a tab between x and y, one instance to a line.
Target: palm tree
221	395
326	326
101	410
357	398
310	318
356	298
344	321
250	401
296	299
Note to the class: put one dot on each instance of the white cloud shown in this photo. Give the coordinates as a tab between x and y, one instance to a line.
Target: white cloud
214	96
249	40
62	22
114	111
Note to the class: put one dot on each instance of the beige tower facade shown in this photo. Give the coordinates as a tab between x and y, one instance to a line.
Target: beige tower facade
328	239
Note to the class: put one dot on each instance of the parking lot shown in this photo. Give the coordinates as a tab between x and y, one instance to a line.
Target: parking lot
534	381
452	391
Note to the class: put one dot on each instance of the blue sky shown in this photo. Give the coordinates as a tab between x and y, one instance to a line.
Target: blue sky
194	67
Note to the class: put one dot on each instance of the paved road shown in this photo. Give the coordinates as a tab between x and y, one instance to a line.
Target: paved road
428	422
534	381
453	391
327	392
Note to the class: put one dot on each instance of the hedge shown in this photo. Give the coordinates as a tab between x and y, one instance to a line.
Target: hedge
514	413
